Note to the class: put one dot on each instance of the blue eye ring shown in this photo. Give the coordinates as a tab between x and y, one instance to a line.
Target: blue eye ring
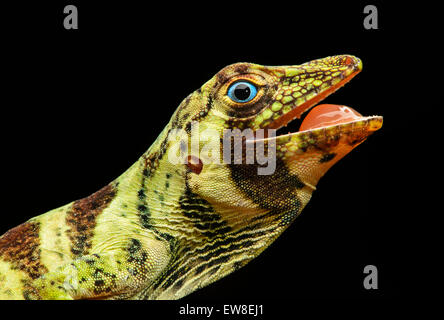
242	91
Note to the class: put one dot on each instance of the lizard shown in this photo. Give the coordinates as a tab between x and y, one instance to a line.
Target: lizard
162	230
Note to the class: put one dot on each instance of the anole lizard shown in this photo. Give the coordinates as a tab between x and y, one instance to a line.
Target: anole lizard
163	230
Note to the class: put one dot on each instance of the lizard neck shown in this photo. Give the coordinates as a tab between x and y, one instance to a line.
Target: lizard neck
206	241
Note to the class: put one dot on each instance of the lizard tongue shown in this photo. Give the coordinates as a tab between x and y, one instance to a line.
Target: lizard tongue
325	115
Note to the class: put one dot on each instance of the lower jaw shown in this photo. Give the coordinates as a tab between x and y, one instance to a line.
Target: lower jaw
310	154
327	122
352	133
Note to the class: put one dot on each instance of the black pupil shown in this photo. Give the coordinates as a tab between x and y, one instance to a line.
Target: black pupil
242	91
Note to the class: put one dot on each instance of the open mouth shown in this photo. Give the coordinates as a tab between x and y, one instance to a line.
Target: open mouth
324	119
327	133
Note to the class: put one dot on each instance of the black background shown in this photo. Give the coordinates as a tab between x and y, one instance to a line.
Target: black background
80	106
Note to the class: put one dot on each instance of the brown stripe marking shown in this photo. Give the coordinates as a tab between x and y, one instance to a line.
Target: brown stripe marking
20	247
82	218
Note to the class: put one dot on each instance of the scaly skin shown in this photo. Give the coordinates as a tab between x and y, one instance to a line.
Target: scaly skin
163	230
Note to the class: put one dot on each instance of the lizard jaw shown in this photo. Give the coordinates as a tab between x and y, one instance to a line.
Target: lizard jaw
302	87
338	139
358	129
327	137
311	153
345	67
344	124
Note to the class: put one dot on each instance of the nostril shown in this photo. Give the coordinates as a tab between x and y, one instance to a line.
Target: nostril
348	61
354	62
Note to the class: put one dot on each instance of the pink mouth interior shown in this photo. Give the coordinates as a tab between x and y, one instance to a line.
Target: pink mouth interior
325	115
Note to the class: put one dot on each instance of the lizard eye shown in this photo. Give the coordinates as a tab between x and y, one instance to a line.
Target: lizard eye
242	91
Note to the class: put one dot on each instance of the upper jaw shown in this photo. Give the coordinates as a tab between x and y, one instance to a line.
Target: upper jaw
301	87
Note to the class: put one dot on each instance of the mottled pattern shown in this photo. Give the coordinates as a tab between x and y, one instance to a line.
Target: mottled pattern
163	230
20	246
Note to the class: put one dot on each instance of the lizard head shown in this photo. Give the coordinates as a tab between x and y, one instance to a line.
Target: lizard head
245	101
243	204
